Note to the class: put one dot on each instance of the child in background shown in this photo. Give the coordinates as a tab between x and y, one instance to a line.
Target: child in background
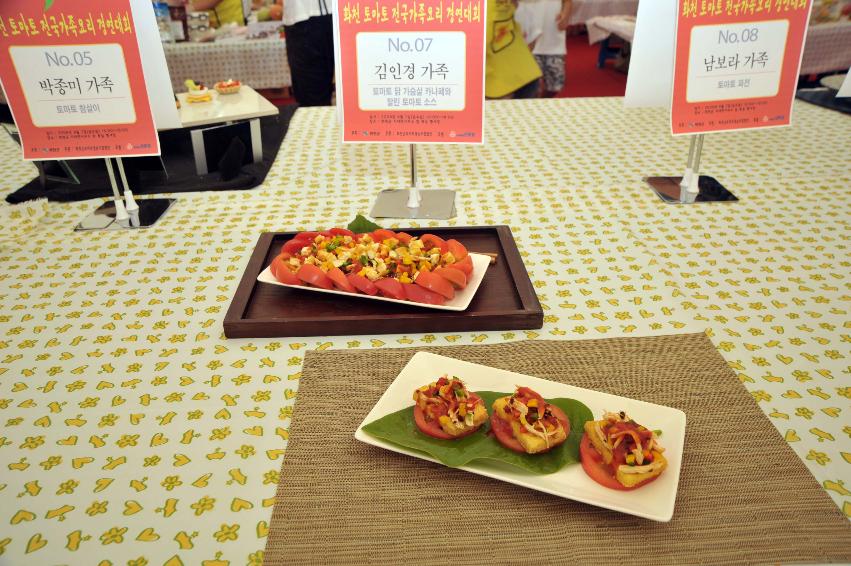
510	69
543	23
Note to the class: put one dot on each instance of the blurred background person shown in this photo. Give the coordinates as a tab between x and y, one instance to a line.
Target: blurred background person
221	12
510	69
544	23
310	50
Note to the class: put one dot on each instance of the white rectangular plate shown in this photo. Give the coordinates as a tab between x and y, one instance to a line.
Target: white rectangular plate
459	303
653	501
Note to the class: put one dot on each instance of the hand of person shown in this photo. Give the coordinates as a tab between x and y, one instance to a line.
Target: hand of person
563	17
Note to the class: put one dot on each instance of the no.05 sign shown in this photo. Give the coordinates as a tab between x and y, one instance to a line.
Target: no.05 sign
736	64
73	78
412	71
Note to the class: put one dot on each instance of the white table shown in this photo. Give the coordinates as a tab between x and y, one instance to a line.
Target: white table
828	48
247	104
584	10
262	63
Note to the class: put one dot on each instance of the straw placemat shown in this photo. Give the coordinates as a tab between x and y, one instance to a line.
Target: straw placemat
744	496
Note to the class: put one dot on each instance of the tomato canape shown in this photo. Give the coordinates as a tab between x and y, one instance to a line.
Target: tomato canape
382	262
445	409
618	453
526	423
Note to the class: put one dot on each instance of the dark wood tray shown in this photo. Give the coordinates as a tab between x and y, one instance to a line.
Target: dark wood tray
505	299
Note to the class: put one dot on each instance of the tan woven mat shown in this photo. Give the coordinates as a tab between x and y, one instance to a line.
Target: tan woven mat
744	496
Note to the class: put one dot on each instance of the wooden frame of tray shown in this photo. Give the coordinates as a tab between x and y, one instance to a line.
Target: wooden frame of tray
505	300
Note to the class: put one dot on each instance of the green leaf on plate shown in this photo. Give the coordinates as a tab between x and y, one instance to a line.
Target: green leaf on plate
361	225
47	5
399	428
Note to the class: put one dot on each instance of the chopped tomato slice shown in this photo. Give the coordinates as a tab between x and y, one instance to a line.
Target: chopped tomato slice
422	295
404	237
457	249
431	241
465	265
314	276
455	276
599	471
294	246
390	288
436	284
362	284
340	281
381	234
282	272
341	232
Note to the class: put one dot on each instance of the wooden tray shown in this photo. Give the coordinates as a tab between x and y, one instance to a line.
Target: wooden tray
505	299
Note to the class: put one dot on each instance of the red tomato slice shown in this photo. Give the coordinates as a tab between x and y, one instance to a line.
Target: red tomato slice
341	232
431	241
390	288
421	295
381	234
454	276
504	434
457	249
314	276
435	283
600	472
310	236
404	237
282	272
294	246
340	281
362	284
432	428
465	265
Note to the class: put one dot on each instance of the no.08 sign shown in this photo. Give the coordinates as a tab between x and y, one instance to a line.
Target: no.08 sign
736	64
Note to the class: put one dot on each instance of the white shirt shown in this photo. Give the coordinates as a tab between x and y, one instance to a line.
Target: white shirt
300	10
537	19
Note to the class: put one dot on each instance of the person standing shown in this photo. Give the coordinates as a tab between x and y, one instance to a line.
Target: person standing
309	32
510	69
544	23
222	12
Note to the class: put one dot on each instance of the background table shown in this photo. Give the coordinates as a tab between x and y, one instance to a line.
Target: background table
261	63
828	48
133	429
583	10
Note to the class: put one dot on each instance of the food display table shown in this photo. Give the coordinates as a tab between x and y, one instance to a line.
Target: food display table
584	10
261	63
828	48
133	431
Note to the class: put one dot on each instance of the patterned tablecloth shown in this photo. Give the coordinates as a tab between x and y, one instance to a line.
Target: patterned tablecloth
134	433
260	63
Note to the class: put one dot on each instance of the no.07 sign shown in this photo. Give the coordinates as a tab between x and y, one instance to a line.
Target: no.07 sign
73	78
736	64
412	71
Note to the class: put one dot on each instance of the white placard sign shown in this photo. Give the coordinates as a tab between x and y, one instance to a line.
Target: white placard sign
402	70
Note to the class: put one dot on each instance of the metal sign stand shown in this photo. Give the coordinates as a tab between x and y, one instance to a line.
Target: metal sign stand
691	187
414	203
124	212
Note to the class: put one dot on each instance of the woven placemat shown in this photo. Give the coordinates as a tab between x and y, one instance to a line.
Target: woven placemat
744	496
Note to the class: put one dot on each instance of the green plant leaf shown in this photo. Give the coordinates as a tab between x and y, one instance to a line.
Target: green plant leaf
399	428
361	225
47	4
